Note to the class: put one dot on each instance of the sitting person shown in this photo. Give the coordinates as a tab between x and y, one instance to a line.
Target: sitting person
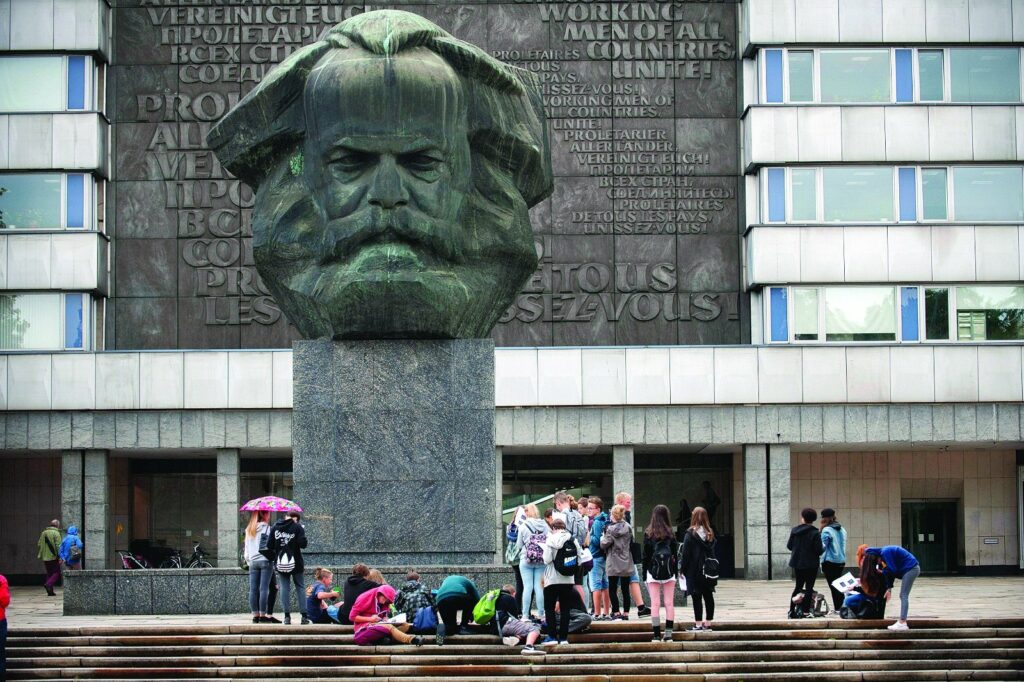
456	593
368	614
356	584
319	594
579	619
413	596
513	628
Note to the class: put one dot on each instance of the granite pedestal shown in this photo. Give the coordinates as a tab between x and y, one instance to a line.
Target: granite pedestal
393	451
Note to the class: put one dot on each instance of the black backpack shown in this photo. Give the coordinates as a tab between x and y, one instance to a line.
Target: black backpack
711	567
663	561
567	559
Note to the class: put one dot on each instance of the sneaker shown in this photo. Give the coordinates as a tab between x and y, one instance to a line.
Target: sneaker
511	640
697	628
657	639
270	619
623	616
530	650
549	641
563	641
305	621
642	611
255	619
667	637
439	636
617	616
707	628
417	641
287	620
899	626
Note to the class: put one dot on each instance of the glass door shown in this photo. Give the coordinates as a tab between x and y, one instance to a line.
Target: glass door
929	533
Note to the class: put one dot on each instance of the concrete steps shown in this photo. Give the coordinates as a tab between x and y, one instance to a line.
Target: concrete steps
822	650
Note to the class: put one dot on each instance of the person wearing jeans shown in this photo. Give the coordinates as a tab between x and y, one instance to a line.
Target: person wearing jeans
260	570
898	563
531	565
833	559
288	539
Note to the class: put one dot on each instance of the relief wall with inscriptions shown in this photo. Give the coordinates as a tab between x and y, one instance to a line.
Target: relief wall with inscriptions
639	244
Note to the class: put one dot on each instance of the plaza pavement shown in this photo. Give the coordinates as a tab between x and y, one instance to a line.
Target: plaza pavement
932	597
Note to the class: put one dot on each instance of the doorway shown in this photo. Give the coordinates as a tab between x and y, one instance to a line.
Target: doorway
930	533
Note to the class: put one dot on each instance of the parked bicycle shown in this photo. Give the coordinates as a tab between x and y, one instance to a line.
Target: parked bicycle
197	560
131	562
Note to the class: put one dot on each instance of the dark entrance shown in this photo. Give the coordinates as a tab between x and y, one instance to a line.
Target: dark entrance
929	533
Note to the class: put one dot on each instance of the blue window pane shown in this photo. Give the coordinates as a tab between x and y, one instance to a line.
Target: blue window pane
74	336
76	82
908	194
904	75
776	195
773	75
780	315
908	306
76	200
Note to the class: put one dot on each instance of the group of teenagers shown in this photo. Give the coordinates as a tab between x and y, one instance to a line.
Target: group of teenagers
608	556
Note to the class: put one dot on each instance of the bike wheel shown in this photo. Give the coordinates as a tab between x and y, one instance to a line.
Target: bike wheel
204	564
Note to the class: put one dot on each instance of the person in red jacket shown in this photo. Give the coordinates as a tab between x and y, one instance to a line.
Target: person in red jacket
5	601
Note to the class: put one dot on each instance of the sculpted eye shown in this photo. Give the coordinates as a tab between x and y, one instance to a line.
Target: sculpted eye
421	161
349	160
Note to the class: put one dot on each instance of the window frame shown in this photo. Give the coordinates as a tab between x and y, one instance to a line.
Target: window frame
88	322
90	187
947	82
89	87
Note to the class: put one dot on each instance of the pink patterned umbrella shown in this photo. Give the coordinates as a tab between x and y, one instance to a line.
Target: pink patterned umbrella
270	503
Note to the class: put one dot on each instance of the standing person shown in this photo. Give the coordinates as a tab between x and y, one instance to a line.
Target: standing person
71	549
5	601
598	576
581	508
833	559
577	528
626	500
897	562
698	547
287	540
513	551
318	594
683	519
456	593
661	570
533	531
558	587
260	570
710	501
49	554
805	545
618	560
368	614
355	585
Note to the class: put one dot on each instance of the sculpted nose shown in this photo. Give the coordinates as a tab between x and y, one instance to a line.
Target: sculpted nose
387	189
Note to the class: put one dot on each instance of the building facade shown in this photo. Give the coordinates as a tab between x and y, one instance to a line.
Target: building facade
783	266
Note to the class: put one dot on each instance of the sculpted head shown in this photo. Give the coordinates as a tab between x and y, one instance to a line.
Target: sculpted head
394	168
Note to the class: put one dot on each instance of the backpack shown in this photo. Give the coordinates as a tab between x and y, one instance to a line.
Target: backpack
285	563
265	549
567	558
578	528
425	620
483	612
535	548
75	553
711	566
663	561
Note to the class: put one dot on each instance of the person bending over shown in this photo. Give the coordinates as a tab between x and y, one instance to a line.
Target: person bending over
456	593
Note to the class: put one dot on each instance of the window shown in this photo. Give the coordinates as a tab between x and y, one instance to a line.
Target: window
909	314
857	194
984	74
45	83
873	194
45	201
899	75
36	321
779	315
995	193
860	314
936	314
805	314
989	313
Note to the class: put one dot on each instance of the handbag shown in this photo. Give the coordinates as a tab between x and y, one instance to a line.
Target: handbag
586	560
265	549
425	620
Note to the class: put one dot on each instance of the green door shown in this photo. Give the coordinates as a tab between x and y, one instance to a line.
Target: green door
929	533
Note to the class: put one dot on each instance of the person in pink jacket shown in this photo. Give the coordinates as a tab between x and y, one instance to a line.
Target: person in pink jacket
5	601
369	611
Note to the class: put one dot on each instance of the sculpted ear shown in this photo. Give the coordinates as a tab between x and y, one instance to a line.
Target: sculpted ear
509	127
268	122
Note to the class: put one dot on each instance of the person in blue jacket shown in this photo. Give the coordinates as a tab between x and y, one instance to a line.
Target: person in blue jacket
598	574
71	549
898	563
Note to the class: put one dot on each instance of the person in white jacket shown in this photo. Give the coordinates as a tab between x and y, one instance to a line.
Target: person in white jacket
558	587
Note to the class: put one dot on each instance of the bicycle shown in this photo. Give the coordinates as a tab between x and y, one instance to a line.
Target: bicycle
131	562
197	560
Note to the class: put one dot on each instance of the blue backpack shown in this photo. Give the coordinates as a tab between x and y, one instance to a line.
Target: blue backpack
425	620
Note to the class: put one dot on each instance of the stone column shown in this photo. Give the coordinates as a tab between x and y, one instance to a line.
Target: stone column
228	502
96	497
499	554
622	472
755	511
71	513
779	511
